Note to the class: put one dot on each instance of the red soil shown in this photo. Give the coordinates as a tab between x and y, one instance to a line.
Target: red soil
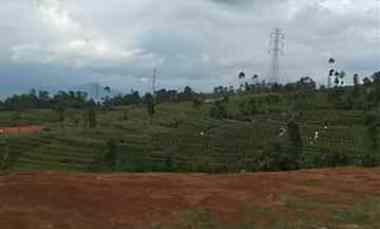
58	200
22	130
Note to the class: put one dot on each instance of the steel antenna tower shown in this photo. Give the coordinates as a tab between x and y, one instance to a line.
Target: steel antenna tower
277	44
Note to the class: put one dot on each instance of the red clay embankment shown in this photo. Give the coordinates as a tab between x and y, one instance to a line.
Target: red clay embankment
93	201
22	130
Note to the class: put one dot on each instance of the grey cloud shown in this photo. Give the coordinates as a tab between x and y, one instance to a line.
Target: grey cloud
198	42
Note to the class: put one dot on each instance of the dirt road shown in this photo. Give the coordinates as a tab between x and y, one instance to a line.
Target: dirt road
22	130
58	200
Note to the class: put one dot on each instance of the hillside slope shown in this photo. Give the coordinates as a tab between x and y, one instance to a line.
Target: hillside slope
182	139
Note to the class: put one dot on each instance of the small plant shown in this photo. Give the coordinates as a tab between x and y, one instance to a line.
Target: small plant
110	156
4	154
218	111
150	105
92	122
125	115
197	103
249	107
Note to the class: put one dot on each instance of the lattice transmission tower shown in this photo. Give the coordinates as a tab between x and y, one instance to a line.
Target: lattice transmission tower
277	44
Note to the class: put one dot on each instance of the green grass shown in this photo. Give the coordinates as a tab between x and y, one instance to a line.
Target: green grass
296	214
174	138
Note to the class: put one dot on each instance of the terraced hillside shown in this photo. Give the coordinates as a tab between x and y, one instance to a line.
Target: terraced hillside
43	152
180	138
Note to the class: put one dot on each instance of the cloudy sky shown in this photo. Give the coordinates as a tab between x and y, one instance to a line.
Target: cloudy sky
201	43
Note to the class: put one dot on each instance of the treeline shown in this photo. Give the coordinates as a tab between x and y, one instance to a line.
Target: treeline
362	95
79	99
161	96
43	100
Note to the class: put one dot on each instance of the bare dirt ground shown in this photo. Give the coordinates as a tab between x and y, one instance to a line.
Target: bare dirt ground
22	130
59	200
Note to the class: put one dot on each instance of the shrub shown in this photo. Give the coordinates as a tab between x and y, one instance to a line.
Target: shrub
218	111
249	107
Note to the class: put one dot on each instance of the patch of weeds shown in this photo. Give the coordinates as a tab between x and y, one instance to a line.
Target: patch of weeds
254	217
366	213
296	214
199	219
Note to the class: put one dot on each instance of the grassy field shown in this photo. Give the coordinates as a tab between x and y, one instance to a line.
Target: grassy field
179	138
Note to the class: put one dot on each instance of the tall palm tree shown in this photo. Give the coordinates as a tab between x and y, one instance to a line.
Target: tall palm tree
331	72
107	89
342	74
336	81
241	75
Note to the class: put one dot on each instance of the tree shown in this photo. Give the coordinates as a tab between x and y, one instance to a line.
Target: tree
294	133
92	122
218	110
241	75
125	115
331	72
150	105
356	79
331	60
372	121
107	89
110	156
306	84
295	138
249	107
356	84
342	75
336	81
376	77
188	93
4	154
255	77
197	103
61	114
366	81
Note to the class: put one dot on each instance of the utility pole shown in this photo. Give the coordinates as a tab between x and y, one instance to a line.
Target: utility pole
97	92
276	49
154	79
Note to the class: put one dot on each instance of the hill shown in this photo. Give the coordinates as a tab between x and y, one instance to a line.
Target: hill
183	138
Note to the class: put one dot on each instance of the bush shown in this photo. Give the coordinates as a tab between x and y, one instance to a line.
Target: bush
218	111
110	156
197	103
279	158
249	107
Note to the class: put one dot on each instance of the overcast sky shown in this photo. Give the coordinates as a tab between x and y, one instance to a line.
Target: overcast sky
201	43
